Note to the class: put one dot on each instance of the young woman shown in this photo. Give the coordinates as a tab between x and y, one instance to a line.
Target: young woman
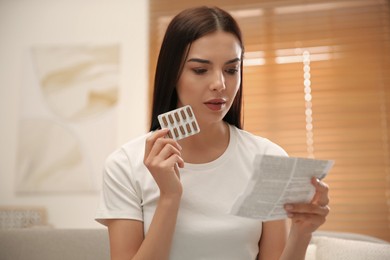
156	210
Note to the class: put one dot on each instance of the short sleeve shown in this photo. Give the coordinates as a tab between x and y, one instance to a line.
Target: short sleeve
274	149
119	198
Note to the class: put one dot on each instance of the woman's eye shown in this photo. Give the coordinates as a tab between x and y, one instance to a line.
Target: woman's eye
199	71
232	71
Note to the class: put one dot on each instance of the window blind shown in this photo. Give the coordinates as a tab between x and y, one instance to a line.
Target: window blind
317	82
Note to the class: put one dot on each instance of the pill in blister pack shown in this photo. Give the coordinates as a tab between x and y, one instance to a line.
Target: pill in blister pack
181	123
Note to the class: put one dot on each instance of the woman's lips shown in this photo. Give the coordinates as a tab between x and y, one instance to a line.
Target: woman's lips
215	104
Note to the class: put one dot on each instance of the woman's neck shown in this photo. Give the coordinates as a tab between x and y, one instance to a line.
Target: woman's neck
206	146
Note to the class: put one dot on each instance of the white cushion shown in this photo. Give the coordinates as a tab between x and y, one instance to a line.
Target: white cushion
342	249
311	252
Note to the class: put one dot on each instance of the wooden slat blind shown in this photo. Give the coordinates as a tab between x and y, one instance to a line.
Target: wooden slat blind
317	82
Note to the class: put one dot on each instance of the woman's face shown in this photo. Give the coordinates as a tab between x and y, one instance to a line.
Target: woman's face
210	77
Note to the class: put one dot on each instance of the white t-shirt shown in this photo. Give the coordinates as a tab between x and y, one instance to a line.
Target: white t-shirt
204	229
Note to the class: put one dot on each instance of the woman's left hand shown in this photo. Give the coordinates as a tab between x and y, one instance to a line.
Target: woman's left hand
307	217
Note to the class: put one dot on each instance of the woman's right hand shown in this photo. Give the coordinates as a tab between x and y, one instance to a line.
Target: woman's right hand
162	157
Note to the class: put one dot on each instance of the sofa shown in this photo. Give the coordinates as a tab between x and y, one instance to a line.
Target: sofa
93	244
346	246
54	244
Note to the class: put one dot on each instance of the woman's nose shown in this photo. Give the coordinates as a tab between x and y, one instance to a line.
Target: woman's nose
218	82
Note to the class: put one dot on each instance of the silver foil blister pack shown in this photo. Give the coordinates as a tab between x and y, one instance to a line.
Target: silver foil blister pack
181	122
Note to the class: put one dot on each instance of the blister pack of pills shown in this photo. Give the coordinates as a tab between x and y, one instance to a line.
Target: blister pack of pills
181	122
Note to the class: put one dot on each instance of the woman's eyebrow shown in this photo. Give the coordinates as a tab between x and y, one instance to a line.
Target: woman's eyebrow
209	62
199	60
233	60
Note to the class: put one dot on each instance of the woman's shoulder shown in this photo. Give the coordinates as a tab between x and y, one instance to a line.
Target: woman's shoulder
257	143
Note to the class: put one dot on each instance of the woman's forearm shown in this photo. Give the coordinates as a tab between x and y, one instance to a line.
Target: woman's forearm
296	247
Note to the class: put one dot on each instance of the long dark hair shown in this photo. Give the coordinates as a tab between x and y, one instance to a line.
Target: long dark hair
186	27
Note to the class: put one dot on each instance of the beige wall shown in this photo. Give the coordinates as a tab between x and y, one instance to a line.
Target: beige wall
25	23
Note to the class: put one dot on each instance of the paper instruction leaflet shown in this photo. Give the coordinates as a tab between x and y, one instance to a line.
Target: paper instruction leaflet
278	180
